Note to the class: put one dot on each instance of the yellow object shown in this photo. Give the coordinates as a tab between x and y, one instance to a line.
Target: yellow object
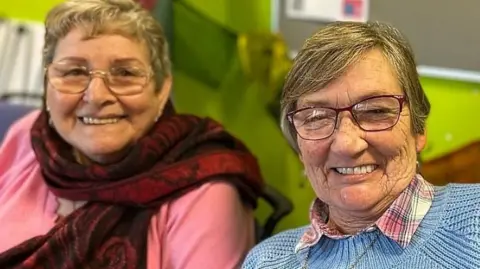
264	59
34	10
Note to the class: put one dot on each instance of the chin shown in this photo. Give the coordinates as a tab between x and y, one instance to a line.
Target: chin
357	197
103	153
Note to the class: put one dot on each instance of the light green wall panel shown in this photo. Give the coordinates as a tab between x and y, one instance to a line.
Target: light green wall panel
455	116
238	15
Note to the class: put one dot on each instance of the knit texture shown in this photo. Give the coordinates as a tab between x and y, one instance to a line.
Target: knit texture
448	237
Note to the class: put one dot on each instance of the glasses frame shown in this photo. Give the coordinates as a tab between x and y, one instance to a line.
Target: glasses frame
101	74
400	98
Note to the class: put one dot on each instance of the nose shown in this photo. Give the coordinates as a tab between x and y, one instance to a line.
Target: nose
348	138
97	91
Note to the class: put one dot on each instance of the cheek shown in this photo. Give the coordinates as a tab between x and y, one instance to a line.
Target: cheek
62	106
146	103
314	155
142	111
398	153
391	143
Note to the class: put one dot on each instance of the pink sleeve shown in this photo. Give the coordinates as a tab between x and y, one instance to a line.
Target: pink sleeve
211	228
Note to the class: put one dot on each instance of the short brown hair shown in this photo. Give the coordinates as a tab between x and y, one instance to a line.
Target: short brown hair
125	17
327	55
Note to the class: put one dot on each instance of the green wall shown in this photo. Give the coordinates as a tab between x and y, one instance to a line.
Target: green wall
455	116
237	15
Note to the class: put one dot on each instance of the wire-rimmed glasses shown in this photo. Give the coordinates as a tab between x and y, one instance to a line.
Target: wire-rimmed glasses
74	78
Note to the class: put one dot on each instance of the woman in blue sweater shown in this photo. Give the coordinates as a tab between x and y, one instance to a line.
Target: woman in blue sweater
354	109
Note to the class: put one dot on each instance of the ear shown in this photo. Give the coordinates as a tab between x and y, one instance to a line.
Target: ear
163	94
421	141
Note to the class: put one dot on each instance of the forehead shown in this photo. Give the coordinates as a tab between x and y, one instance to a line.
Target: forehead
372	75
105	48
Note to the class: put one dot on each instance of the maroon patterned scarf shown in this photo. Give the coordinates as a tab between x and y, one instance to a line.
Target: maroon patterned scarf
110	231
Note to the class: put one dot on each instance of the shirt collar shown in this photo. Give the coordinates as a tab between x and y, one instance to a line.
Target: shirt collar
399	222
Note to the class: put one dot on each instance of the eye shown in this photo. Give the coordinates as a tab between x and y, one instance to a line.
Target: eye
318	119
314	118
378	110
73	72
127	72
317	115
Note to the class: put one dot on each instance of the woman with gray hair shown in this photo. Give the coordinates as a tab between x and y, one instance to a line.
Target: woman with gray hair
354	110
106	174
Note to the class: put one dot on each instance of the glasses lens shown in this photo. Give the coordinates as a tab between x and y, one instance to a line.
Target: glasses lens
377	113
314	123
68	78
127	80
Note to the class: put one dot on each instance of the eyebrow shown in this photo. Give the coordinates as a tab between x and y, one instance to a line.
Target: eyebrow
72	59
314	103
127	60
81	60
325	103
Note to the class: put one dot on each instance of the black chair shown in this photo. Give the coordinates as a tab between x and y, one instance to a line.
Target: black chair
9	113
281	206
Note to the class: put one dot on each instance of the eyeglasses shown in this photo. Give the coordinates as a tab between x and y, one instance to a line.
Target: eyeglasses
121	80
377	113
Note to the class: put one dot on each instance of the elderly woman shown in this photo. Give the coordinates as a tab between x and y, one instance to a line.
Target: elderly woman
355	111
107	175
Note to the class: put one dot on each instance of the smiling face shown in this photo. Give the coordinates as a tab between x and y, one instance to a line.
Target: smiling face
98	123
355	171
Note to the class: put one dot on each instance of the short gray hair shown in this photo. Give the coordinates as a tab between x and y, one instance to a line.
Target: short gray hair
326	55
124	17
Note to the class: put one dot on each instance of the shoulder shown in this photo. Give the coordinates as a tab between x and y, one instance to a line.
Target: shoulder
208	205
277	251
208	227
461	195
16	153
462	206
16	143
216	191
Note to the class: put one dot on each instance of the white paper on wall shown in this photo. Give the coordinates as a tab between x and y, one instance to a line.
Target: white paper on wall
21	70
328	10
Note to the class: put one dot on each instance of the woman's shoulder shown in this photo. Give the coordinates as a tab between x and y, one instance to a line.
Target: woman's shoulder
465	194
216	217
462	205
216	201
16	153
16	142
278	250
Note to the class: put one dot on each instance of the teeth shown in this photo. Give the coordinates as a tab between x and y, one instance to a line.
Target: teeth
88	120
364	169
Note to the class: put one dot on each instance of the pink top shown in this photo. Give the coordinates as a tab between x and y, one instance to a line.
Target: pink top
208	227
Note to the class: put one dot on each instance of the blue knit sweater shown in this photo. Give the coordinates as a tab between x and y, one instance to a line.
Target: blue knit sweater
448	237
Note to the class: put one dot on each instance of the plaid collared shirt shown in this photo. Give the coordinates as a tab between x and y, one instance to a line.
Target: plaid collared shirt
399	222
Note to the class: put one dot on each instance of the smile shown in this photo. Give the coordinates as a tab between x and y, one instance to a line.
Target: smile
99	121
358	170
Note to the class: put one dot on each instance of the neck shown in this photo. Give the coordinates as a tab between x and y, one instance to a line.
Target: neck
351	226
105	160
354	222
